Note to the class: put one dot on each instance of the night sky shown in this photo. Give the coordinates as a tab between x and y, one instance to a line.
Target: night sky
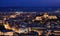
29	3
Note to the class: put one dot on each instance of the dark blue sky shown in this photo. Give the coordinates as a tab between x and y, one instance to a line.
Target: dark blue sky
29	3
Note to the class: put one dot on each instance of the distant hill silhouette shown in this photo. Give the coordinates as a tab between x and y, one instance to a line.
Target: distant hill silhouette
28	9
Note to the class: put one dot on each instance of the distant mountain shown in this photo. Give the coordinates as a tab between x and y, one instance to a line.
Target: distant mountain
28	9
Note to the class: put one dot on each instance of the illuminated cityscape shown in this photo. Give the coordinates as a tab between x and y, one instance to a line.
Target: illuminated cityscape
29	23
29	17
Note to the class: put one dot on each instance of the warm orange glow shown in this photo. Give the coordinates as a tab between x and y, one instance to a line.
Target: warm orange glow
1	21
12	16
38	18
8	33
4	19
1	33
7	26
46	16
52	17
